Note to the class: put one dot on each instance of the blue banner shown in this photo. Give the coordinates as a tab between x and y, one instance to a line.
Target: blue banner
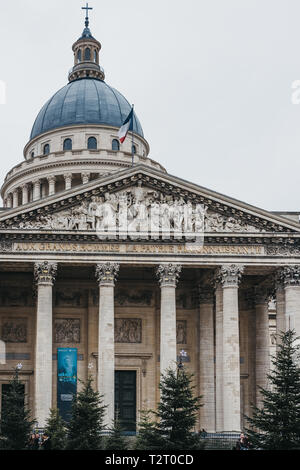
66	380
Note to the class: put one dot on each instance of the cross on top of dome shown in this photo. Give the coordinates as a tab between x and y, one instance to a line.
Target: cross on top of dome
87	8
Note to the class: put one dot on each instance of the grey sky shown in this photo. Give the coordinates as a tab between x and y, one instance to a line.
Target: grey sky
210	80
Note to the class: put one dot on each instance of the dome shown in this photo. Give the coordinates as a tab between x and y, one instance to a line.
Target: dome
84	101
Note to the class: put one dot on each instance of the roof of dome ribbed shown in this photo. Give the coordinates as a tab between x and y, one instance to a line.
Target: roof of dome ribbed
84	101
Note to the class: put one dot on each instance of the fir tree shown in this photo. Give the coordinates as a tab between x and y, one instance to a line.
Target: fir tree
148	437
116	441
86	424
276	424
16	424
56	430
175	417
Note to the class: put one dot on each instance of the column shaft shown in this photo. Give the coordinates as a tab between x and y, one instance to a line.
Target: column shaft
106	274
231	360
168	275
44	273
206	349
219	360
262	354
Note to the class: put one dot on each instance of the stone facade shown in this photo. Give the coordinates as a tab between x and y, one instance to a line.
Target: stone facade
130	266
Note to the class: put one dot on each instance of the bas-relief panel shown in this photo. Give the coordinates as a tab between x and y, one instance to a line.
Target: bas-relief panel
67	297
128	330
133	297
14	330
14	296
67	330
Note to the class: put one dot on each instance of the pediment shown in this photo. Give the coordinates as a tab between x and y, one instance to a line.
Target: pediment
82	209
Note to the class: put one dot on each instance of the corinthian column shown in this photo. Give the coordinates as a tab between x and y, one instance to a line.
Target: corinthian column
229	277
106	274
44	273
36	189
290	278
206	347
168	275
25	193
262	350
68	180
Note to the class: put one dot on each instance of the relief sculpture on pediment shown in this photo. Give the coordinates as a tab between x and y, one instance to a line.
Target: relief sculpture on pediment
139	213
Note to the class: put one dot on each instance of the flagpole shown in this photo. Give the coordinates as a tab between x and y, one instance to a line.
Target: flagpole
132	139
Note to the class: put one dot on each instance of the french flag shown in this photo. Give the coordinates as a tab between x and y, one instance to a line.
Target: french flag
127	126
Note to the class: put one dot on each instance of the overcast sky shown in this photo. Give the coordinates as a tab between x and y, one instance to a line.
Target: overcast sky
211	81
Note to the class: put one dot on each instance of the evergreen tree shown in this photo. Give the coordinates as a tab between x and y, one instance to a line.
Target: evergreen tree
175	417
148	437
276	424
86	424
16	424
116	441
56	430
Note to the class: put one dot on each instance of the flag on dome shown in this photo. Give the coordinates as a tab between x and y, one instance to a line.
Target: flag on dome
127	126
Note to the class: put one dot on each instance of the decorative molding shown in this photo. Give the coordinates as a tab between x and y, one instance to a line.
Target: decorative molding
106	273
45	272
168	274
229	275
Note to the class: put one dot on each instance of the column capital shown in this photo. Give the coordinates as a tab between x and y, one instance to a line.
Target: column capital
168	274
15	191
51	179
24	186
288	276
229	275
36	181
45	272
106	273
68	176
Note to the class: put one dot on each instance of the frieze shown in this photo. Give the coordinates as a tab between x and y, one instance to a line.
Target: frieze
128	330
132	297
67	330
71	298
13	296
179	249
14	330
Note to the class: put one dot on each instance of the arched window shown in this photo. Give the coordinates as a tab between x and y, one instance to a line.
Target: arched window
95	55
133	149
67	144
115	145
46	150
87	54
32	154
92	143
79	55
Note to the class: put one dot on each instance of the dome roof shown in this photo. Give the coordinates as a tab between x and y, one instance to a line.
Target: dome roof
84	101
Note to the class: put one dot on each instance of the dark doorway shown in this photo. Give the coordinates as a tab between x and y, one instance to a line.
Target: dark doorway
125	398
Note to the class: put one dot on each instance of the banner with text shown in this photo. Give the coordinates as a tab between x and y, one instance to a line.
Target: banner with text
66	380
